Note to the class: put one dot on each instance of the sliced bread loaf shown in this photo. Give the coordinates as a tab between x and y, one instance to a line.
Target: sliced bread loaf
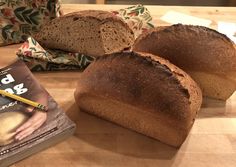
207	55
91	32
142	92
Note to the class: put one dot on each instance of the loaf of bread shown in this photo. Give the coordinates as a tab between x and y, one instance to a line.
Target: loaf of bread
10	121
208	56
142	92
91	32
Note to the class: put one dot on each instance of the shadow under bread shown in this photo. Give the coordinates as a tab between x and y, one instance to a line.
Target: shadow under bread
217	108
104	135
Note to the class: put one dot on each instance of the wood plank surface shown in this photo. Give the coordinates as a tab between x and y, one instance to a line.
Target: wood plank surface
98	143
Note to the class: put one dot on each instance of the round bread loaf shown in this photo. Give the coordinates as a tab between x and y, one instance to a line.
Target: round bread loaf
91	32
10	121
207	55
142	92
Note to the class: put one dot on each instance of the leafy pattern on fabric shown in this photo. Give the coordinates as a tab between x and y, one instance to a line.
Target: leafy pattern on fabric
21	18
41	59
137	17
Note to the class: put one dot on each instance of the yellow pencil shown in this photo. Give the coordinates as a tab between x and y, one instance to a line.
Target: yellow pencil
24	100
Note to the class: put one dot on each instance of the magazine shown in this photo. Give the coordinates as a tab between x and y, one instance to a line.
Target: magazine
35	129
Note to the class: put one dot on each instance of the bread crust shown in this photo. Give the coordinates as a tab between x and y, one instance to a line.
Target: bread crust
148	83
100	15
97	14
194	48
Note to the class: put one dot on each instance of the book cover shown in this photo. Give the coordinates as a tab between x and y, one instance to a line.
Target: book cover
25	130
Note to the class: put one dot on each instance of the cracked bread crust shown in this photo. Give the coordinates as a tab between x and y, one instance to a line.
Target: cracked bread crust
155	97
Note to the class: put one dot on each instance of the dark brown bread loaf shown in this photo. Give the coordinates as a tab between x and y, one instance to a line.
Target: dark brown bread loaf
142	92
207	55
91	32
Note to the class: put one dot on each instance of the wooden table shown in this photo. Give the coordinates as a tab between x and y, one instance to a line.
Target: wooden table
97	143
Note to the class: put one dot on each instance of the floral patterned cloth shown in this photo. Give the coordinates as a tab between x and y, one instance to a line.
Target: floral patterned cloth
42	59
21	18
137	17
38	58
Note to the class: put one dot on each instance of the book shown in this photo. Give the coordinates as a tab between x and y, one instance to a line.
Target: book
55	125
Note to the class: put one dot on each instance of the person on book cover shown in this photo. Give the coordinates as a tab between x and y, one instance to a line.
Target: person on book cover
17	75
35	121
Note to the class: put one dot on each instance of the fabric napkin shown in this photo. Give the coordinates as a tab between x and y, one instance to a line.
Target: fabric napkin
21	18
39	58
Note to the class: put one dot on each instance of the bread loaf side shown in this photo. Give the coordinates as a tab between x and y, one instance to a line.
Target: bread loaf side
142	92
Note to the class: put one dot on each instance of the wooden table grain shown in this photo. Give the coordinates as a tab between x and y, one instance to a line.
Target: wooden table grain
98	143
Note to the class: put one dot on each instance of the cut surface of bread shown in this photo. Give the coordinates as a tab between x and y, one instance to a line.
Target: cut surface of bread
207	55
91	32
141	92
